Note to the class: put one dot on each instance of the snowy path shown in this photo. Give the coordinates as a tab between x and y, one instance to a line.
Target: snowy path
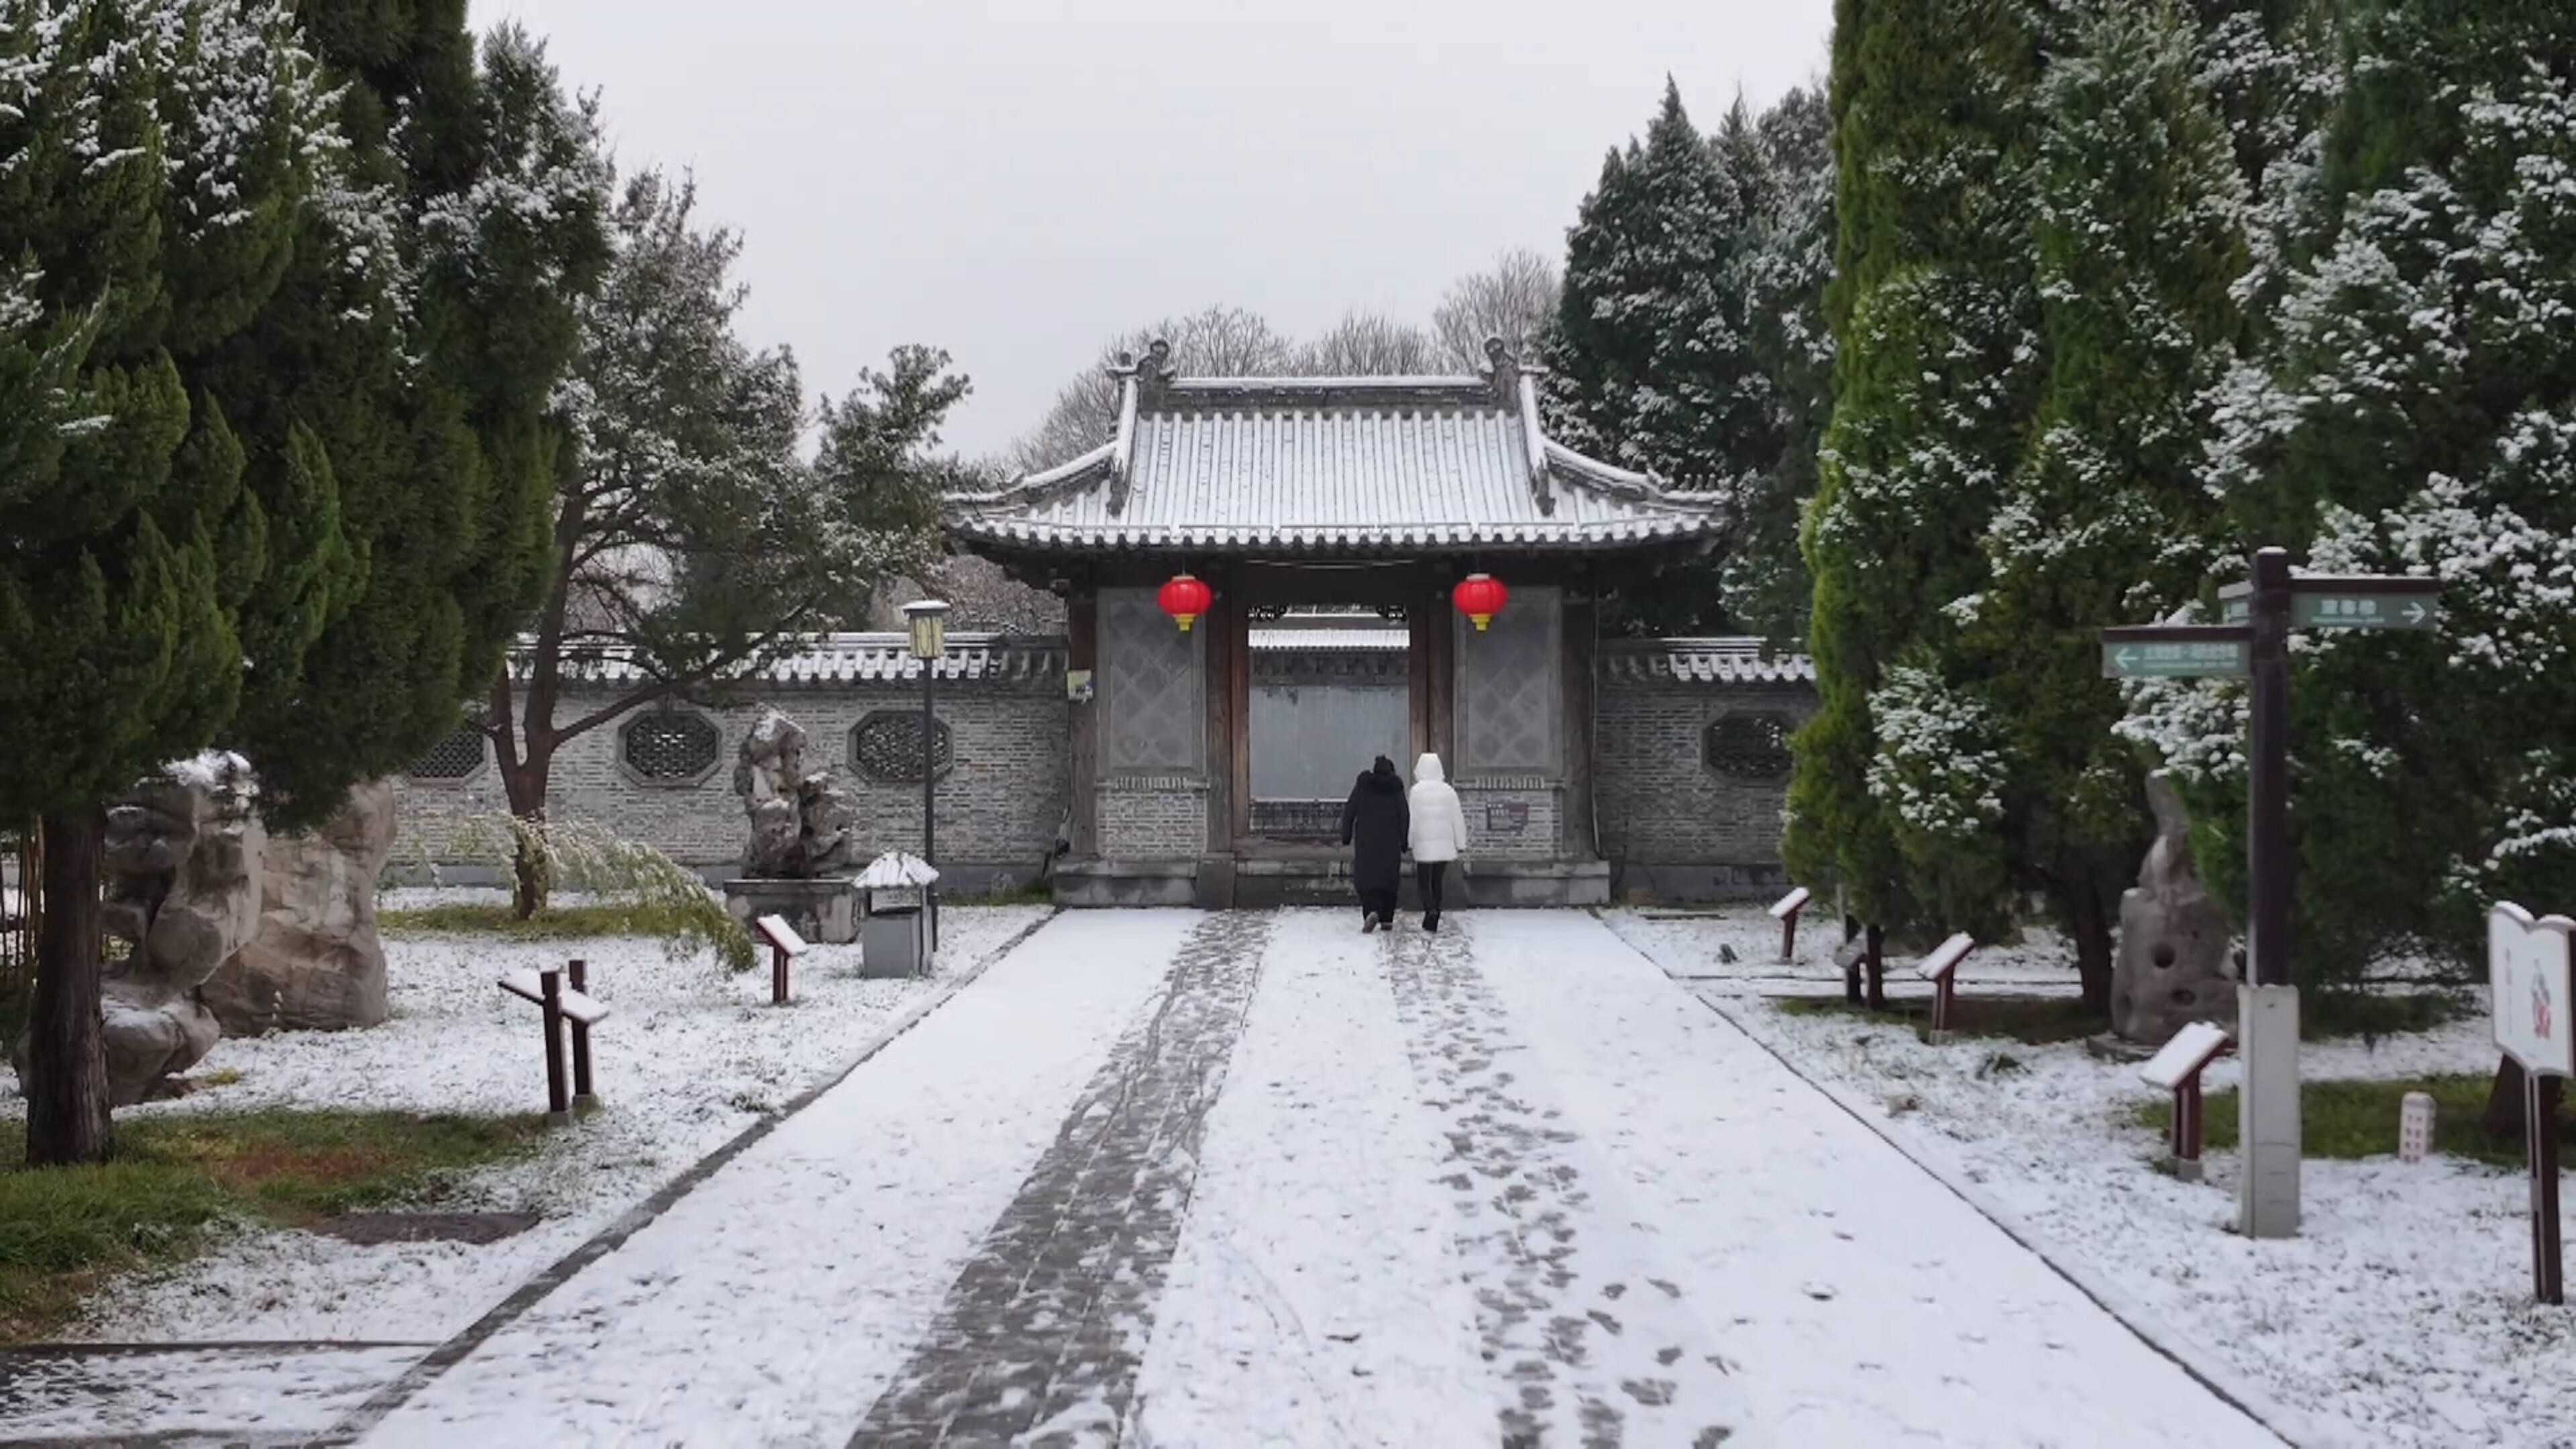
1166	1179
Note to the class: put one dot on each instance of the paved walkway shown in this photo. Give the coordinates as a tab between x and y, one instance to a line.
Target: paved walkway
1162	1178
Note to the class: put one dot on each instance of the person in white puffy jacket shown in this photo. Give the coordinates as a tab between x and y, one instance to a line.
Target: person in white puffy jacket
1437	834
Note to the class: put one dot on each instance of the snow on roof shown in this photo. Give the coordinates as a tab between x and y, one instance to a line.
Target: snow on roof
1703	661
1332	465
895	870
1331	639
853	658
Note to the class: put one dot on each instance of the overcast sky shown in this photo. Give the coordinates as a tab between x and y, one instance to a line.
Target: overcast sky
1018	182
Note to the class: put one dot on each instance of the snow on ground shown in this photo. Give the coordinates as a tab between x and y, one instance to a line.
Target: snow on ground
688	1057
2403	1309
775	1301
1860	1301
1317	1292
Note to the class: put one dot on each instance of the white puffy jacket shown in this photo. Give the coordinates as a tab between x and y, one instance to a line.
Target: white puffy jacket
1439	825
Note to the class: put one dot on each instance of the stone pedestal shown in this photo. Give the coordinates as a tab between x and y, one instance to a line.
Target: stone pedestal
2267	1040
824	910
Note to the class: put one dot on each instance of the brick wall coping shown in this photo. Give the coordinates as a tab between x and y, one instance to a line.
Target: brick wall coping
1703	661
854	658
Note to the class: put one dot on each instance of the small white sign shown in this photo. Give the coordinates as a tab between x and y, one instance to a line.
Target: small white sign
1945	958
1788	905
587	1010
2192	1048
780	934
2415	1127
2527	961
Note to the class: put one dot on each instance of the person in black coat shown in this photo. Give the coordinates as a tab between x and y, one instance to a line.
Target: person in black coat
1375	823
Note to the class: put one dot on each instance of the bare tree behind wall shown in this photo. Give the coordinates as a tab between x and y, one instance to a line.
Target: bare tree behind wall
1511	299
691	542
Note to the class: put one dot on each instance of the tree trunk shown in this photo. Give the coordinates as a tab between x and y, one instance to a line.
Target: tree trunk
1851	962
2090	923
525	784
67	1105
1876	956
2504	1117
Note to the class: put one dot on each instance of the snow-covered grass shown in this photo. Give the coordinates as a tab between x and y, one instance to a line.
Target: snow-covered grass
2400	1316
689	1057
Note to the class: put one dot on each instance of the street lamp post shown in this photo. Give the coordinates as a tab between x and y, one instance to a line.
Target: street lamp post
929	621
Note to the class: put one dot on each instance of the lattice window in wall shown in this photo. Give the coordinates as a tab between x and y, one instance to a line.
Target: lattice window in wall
453	758
1752	747
670	745
885	746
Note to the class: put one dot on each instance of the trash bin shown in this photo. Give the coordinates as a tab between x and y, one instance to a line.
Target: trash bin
894	932
894	941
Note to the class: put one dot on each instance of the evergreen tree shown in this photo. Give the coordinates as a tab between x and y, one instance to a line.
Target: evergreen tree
690	543
2137	220
1648	363
1789	259
1899	782
154	158
2417	414
419	336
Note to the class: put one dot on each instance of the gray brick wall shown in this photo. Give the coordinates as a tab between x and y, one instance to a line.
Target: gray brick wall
1659	800
1511	821
1152	818
1001	802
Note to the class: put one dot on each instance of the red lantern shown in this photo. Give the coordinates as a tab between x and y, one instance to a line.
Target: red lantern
1184	598
1480	597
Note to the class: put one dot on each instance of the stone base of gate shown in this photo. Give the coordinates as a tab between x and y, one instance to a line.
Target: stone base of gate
1126	882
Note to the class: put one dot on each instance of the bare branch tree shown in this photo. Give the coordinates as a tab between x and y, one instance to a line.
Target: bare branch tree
1512	300
1366	344
1215	342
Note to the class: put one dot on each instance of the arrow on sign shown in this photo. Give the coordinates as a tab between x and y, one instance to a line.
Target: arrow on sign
2126	657
2414	613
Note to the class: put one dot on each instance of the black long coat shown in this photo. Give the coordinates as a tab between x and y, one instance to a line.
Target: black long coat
1375	822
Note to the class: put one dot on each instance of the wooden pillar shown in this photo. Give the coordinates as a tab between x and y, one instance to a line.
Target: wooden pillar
1574	632
1224	647
1432	679
1082	639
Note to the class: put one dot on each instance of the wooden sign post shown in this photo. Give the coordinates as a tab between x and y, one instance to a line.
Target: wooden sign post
1941	968
577	976
1785	911
2177	1069
2527	976
784	946
555	1006
2253	644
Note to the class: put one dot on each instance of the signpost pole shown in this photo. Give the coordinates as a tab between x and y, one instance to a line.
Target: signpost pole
582	1096
550	1003
2540	1150
2268	1005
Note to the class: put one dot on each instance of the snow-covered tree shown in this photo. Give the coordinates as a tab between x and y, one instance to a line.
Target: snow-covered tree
155	156
1937	365
2417	415
689	540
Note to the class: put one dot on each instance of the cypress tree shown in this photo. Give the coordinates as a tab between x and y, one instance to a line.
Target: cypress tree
1899	776
1649	366
153	155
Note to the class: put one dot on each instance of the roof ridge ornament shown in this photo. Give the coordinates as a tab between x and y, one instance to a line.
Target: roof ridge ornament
1516	388
1140	384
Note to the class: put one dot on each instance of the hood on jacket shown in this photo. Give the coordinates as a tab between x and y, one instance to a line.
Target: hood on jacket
1427	768
1381	781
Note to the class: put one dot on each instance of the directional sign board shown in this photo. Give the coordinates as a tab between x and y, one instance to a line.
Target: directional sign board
2175	658
2527	973
2362	610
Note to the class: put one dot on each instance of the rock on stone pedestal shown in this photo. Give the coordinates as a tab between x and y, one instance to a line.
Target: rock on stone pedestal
2176	960
317	963
824	910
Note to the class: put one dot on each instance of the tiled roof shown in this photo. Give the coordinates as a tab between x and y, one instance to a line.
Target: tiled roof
1293	466
857	658
1703	661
